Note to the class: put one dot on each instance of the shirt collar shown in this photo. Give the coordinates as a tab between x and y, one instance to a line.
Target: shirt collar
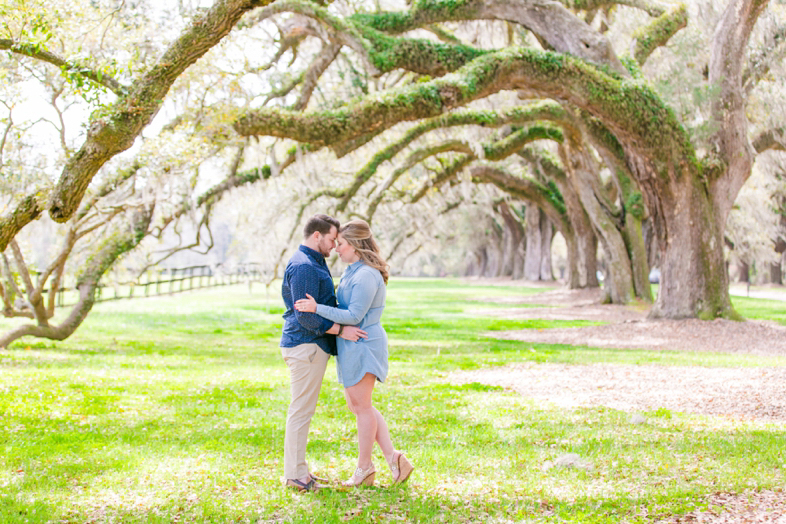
354	265
316	255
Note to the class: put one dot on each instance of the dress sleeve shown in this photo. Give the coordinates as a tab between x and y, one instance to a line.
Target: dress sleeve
305	279
362	293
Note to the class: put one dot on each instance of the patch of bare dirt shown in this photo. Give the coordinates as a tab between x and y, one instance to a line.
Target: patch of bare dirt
741	393
724	336
628	327
746	508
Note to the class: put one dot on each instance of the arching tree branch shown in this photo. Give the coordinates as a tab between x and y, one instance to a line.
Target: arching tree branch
544	110
380	52
631	111
550	21
109	136
126	236
771	139
494	151
524	188
27	210
34	51
318	66
658	32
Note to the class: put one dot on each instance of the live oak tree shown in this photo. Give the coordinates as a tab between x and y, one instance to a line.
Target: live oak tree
619	154
688	189
108	206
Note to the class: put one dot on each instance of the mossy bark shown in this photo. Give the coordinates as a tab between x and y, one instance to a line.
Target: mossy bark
657	33
553	24
578	161
694	281
544	110
688	202
27	210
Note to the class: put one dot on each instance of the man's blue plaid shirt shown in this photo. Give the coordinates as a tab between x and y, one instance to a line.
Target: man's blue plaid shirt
307	272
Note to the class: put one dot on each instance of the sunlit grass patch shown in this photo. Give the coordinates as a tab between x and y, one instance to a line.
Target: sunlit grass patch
172	409
759	308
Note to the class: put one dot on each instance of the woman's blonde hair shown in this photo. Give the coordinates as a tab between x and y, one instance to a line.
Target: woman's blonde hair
358	234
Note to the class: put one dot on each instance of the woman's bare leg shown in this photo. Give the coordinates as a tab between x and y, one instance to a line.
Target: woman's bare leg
383	436
370	422
359	401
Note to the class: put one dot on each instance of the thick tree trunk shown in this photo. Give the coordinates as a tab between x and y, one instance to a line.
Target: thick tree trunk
546	236
776	274
585	240
477	266
534	244
619	281
693	207
743	272
634	240
506	259
694	281
494	261
518	262
540	232
514	233
588	255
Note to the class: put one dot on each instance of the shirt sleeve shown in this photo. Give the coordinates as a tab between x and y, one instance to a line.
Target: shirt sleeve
362	294
305	279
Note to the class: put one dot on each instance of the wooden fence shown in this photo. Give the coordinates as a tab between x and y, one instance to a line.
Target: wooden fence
169	281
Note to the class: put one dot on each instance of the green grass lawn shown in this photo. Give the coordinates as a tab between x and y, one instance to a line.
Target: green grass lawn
171	409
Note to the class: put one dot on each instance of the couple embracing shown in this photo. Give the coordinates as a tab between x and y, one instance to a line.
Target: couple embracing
318	324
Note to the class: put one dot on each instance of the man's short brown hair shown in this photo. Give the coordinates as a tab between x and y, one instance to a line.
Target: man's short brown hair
322	223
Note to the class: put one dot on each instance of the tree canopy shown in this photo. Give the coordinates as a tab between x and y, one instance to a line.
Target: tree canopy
629	124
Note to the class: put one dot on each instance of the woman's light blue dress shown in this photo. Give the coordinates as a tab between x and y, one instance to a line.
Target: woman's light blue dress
361	300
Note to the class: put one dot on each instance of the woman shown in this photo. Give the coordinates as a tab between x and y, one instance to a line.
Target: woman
361	299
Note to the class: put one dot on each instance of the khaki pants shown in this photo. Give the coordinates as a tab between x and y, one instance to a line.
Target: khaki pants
307	363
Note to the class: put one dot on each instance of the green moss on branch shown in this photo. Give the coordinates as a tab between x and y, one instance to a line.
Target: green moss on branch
659	32
543	110
630	110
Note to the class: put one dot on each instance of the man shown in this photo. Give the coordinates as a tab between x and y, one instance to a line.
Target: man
307	342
